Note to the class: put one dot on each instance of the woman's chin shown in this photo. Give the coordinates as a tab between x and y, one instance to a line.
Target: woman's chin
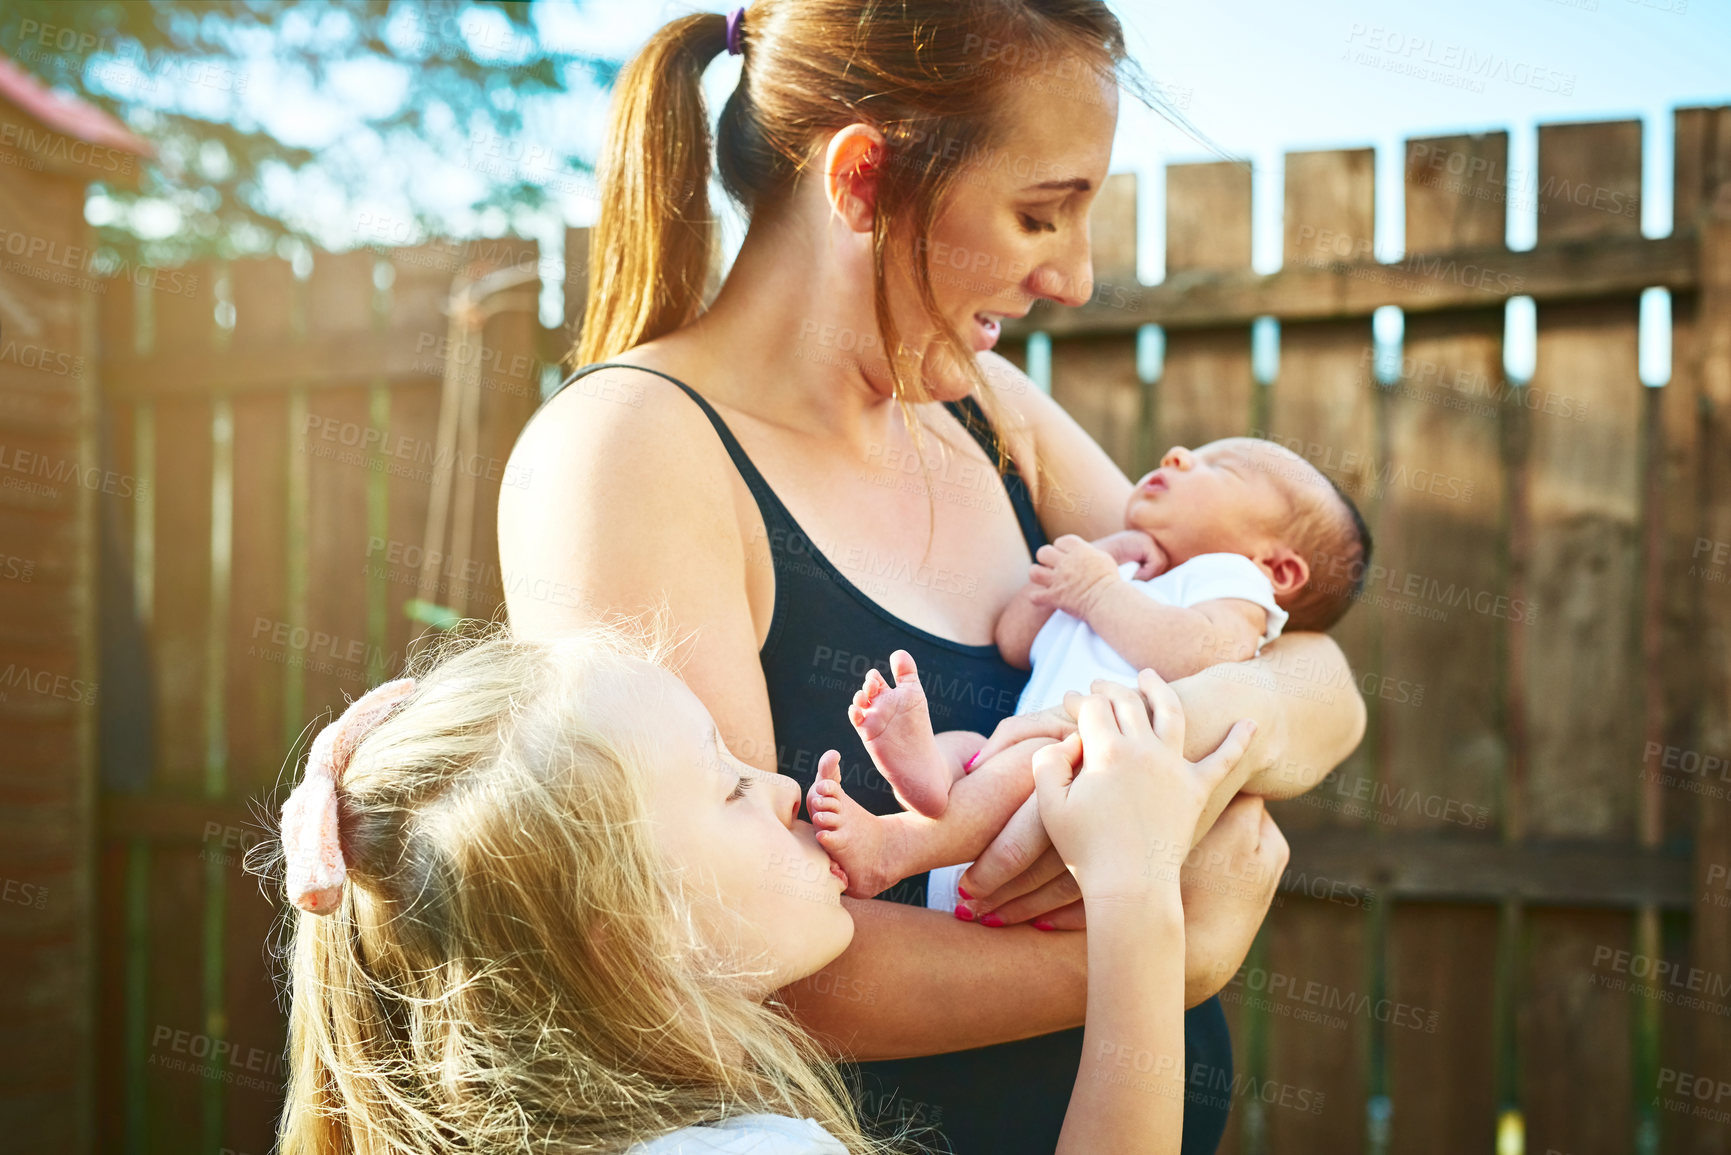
949	380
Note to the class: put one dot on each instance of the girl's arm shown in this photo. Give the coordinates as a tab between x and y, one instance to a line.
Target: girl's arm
1120	800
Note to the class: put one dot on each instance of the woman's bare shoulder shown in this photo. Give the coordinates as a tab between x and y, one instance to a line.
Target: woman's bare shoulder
624	418
614	447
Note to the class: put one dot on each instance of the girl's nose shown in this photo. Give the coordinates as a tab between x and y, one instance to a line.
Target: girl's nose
784	796
1178	457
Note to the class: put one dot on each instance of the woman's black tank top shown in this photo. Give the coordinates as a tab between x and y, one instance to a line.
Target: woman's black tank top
824	634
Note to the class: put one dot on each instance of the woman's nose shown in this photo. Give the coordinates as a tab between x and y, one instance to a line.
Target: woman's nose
1069	279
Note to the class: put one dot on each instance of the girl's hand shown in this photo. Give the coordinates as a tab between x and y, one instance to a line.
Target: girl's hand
1053	722
1118	799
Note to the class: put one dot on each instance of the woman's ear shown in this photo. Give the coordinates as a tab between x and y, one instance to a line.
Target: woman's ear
1287	570
851	166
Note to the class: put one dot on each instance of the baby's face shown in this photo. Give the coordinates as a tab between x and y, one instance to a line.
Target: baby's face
1229	496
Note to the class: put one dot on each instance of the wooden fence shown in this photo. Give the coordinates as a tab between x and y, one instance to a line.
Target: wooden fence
1510	904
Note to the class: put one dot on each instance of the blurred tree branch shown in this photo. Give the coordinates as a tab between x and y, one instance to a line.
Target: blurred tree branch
179	73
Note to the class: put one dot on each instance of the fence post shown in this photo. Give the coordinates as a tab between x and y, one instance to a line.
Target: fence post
1712	937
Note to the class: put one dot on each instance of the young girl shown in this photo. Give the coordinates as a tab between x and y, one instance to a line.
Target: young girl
542	908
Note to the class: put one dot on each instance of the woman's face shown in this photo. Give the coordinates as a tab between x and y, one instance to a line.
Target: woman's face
1014	228
730	829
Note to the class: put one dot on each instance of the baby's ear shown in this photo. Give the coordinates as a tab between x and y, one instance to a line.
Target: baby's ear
1287	570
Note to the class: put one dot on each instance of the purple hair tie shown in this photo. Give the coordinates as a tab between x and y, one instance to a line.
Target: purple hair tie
734	20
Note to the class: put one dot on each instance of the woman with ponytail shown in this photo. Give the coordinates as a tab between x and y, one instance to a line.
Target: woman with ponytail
820	461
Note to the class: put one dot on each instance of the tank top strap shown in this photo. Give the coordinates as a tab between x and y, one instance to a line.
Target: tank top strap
768	504
974	420
967	411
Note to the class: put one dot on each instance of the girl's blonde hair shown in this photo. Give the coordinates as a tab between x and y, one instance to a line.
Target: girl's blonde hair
511	967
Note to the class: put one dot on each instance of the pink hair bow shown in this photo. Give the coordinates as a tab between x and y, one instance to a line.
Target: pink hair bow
312	844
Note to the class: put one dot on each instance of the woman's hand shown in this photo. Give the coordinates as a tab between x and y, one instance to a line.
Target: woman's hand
1118	799
1226	887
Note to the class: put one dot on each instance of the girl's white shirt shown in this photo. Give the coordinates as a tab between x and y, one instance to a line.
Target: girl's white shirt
756	1134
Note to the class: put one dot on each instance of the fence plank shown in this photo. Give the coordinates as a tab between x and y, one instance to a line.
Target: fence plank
1206	390
119	456
1323	407
1711	948
1334	288
1444	420
1573	1034
256	688
1580	658
179	633
1320	1026
510	391
1095	380
338	442
576	286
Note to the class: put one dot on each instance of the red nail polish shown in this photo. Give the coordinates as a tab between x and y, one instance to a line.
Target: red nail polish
1042	924
963	891
969	764
991	920
964	913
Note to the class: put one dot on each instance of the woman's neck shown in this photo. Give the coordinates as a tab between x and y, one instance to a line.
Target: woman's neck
781	340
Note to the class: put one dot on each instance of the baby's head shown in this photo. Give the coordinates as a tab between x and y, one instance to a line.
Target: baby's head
1248	496
565	904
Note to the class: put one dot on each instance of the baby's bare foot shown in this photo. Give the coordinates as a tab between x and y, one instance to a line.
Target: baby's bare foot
857	839
896	727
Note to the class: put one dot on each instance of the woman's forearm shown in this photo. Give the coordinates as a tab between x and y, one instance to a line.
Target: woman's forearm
1308	711
920	982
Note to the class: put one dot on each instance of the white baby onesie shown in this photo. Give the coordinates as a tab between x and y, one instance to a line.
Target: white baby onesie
1068	655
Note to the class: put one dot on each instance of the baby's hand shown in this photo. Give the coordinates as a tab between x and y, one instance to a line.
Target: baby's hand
1069	575
1139	547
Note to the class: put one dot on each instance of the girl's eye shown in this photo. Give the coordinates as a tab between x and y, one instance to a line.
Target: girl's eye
740	789
1033	225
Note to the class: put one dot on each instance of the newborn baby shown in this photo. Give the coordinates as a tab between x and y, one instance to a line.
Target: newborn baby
1217	557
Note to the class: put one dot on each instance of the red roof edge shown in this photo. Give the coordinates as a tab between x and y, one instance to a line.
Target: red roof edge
67	115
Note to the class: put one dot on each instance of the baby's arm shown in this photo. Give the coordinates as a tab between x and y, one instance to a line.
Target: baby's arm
1018	625
1023	617
1174	642
1082	580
